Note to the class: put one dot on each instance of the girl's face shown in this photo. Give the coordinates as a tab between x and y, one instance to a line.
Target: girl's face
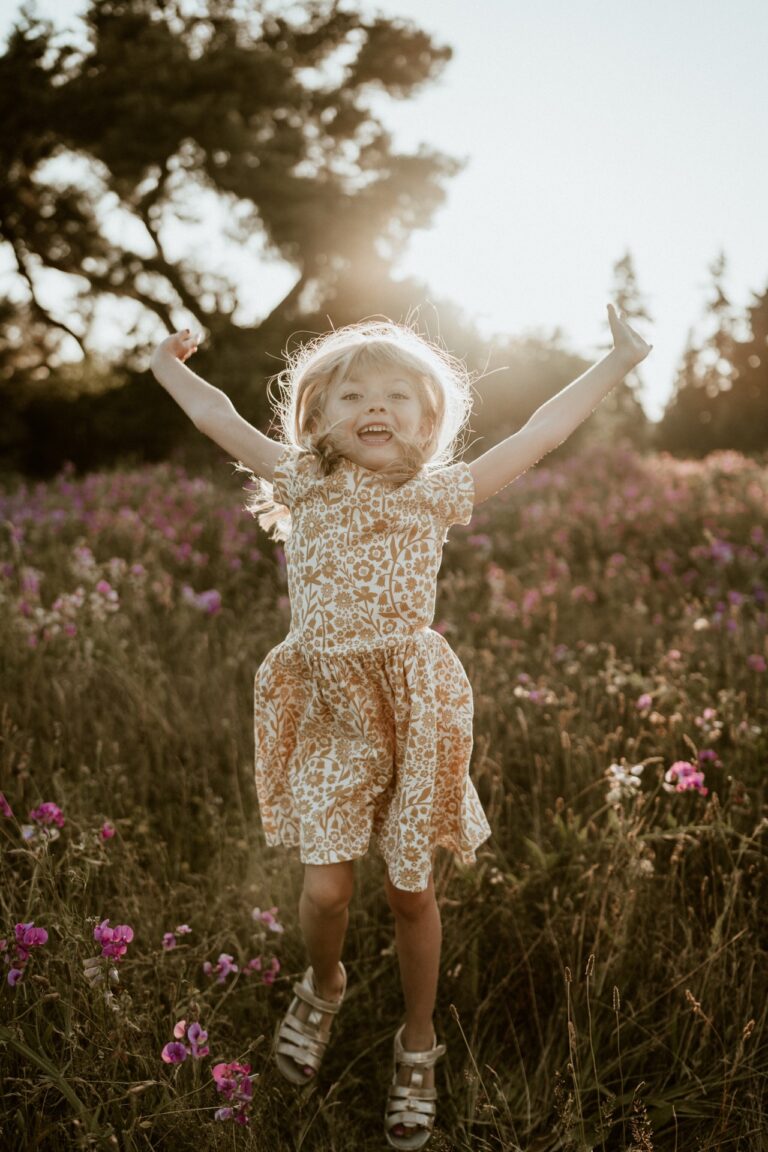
367	407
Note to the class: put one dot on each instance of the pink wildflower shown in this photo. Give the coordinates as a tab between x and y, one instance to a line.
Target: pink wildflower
269	918
5	807
756	662
683	776
48	814
644	702
179	1029
234	1083
107	830
26	937
114	941
224	967
169	941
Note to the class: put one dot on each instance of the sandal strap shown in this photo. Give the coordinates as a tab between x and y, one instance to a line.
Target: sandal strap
294	1031
421	1100
415	1059
415	1119
305	993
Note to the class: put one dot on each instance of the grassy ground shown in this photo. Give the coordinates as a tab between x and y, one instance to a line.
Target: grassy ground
604	968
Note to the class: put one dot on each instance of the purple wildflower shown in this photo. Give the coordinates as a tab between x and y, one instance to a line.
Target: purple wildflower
174	1053
5	807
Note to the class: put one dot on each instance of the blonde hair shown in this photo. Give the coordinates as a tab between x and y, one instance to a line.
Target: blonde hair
442	383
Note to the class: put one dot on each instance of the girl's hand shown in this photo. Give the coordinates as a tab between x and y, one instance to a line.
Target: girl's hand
628	343
181	345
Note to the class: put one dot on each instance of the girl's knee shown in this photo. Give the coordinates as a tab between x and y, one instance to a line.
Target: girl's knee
329	887
409	905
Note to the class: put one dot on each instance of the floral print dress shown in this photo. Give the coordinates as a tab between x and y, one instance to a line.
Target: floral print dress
363	714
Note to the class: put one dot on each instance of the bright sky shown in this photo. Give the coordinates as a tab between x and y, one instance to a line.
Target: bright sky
589	127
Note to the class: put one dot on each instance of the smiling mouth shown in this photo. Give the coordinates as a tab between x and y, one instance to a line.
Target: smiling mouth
375	434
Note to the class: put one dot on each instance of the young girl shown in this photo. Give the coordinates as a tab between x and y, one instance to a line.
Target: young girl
363	714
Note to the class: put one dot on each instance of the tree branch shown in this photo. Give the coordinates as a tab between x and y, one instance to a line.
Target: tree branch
37	307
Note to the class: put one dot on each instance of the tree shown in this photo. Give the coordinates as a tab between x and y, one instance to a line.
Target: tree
268	113
712	406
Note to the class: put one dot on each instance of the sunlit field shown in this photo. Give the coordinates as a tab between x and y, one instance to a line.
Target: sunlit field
604	974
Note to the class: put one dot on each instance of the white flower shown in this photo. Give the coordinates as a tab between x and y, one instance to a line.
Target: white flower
623	782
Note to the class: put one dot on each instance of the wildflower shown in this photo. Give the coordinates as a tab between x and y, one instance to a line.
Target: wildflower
224	967
624	783
5	807
683	776
208	601
233	1082
114	941
644	702
197	1037
169	938
174	1053
47	815
756	662
107	830
269	918
257	965
26	938
177	1051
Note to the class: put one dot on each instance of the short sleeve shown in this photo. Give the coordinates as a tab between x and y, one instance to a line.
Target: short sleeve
452	494
291	476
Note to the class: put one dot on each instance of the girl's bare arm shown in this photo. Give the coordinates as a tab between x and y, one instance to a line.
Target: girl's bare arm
554	421
209	409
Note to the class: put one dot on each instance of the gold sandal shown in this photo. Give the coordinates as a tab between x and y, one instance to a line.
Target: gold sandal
300	1043
411	1104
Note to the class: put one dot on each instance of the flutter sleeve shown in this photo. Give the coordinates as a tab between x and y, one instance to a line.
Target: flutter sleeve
292	476
452	494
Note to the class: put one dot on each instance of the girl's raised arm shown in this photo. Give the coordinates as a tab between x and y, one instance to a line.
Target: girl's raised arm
210	409
554	421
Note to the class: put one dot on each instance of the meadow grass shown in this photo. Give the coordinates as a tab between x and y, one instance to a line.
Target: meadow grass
603	981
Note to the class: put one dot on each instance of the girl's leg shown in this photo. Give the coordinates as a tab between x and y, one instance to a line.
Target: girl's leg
418	937
324	915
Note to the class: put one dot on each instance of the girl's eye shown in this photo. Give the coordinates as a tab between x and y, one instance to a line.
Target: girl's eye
350	396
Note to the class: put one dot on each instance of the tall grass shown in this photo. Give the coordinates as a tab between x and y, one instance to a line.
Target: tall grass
604	965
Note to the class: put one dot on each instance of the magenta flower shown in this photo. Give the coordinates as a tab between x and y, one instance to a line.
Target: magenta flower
225	966
114	941
756	662
644	702
5	807
47	814
683	776
234	1083
169	941
107	830
26	937
30	937
174	1053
